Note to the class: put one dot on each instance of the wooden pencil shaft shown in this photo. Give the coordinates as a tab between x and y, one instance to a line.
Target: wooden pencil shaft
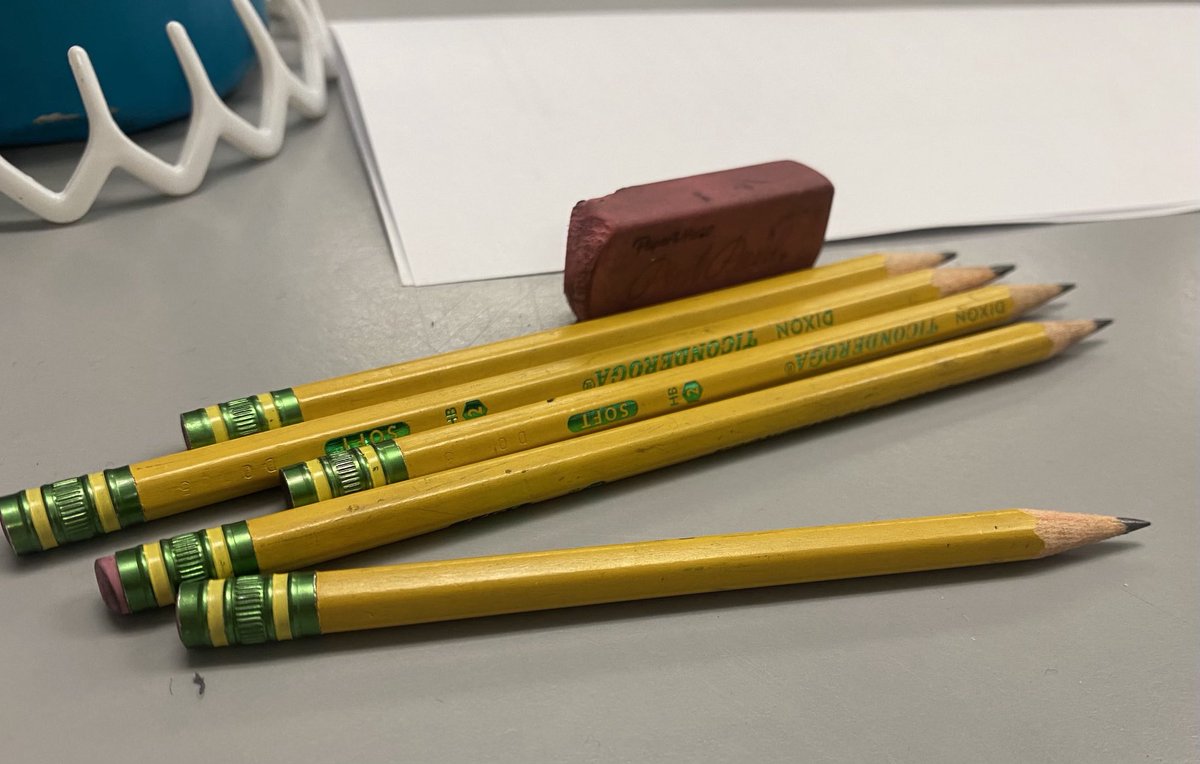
297	538
189	479
588	411
412	593
327	397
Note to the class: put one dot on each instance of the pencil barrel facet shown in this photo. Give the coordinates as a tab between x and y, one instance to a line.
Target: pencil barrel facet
208	425
423	592
301	537
638	398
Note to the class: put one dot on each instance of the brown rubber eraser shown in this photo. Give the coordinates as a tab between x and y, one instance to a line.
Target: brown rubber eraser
648	244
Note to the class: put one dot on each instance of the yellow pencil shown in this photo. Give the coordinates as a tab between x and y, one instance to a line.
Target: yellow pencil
147	576
375	465
266	411
253	609
79	508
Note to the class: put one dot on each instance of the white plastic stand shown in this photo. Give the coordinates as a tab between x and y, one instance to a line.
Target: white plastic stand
108	147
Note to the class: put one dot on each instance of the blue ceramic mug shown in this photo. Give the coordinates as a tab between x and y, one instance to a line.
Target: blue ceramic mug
127	43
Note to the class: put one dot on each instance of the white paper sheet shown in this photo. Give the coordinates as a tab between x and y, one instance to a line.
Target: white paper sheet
482	133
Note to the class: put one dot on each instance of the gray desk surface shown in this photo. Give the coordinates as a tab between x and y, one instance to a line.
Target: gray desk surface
278	273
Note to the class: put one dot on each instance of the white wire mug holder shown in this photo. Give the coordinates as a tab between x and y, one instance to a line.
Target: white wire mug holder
108	148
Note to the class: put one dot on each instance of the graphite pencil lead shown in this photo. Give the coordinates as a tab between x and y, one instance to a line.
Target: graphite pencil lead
1132	524
1065	286
948	256
1102	322
1002	270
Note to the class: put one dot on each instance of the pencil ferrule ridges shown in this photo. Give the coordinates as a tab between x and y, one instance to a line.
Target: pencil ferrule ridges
250	610
242	417
346	474
187	550
74	513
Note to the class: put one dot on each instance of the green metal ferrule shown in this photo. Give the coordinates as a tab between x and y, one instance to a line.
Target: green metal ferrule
71	510
243	416
247	606
241	548
70	507
122	488
347	472
391	458
248	618
188	557
18	526
298	485
197	430
134	573
191	614
288	406
302	605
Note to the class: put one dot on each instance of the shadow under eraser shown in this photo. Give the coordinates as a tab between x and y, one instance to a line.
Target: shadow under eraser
648	244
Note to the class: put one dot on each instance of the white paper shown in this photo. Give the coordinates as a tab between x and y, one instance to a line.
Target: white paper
482	133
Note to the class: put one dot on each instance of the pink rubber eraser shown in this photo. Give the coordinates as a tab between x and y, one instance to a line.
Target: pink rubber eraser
111	589
648	244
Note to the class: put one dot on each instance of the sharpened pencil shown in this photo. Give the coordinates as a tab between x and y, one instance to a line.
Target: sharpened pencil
279	408
147	576
254	609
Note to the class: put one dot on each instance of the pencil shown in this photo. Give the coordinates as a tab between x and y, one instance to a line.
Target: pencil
147	576
279	408
253	609
79	508
372	466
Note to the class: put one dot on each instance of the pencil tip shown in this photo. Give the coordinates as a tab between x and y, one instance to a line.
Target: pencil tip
1133	524
1102	322
1065	286
948	256
1002	270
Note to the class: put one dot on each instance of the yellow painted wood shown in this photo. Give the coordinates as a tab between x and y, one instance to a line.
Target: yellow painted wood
368	598
301	537
660	393
332	396
103	501
279	606
215	592
177	482
39	518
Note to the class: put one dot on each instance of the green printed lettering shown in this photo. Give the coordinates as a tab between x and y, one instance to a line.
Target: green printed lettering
374	435
604	415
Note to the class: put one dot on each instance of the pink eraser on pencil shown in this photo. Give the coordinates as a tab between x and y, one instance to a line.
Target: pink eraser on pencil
648	244
109	582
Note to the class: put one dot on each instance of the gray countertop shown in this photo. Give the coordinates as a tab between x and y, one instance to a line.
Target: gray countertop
278	273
